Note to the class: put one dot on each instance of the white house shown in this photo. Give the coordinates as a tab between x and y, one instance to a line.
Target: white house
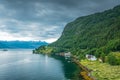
68	54
91	57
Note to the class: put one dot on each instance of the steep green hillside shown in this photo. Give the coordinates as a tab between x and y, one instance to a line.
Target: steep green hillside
96	34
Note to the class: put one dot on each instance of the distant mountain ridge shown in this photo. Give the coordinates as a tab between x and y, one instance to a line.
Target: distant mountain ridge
21	44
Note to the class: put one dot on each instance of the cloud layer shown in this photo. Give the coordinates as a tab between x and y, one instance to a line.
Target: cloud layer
44	19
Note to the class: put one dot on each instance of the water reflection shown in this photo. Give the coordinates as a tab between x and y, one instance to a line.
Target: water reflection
23	65
46	59
71	70
27	60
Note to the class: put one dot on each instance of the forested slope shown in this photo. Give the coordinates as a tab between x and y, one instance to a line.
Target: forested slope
97	34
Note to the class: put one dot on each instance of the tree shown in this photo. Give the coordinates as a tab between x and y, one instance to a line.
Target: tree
114	58
103	57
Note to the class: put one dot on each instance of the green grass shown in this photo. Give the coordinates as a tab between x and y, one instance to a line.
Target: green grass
44	50
102	71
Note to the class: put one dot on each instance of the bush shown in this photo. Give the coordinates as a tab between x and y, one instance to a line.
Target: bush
114	58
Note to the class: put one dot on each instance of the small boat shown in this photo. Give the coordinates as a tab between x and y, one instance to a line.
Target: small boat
5	50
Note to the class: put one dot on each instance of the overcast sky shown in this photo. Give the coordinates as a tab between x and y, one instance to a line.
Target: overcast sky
44	19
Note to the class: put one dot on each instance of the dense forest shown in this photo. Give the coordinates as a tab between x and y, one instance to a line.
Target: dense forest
21	44
97	34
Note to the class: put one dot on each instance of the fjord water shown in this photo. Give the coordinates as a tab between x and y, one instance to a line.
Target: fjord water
21	64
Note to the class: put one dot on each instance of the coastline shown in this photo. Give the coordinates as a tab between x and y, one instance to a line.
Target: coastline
86	73
93	70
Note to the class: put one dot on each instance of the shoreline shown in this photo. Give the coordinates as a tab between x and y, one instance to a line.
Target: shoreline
86	73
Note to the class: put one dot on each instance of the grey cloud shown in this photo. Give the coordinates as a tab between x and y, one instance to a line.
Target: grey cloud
44	19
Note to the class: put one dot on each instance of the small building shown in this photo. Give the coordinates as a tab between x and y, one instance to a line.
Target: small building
68	54
91	57
61	54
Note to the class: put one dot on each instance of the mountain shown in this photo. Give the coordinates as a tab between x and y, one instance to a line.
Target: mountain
96	34
21	44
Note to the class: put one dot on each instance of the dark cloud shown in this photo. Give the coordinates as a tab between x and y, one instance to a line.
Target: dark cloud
45	19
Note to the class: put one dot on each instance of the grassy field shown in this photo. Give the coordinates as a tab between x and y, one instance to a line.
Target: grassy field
102	71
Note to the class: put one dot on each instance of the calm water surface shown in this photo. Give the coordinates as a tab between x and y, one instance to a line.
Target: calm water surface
21	64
